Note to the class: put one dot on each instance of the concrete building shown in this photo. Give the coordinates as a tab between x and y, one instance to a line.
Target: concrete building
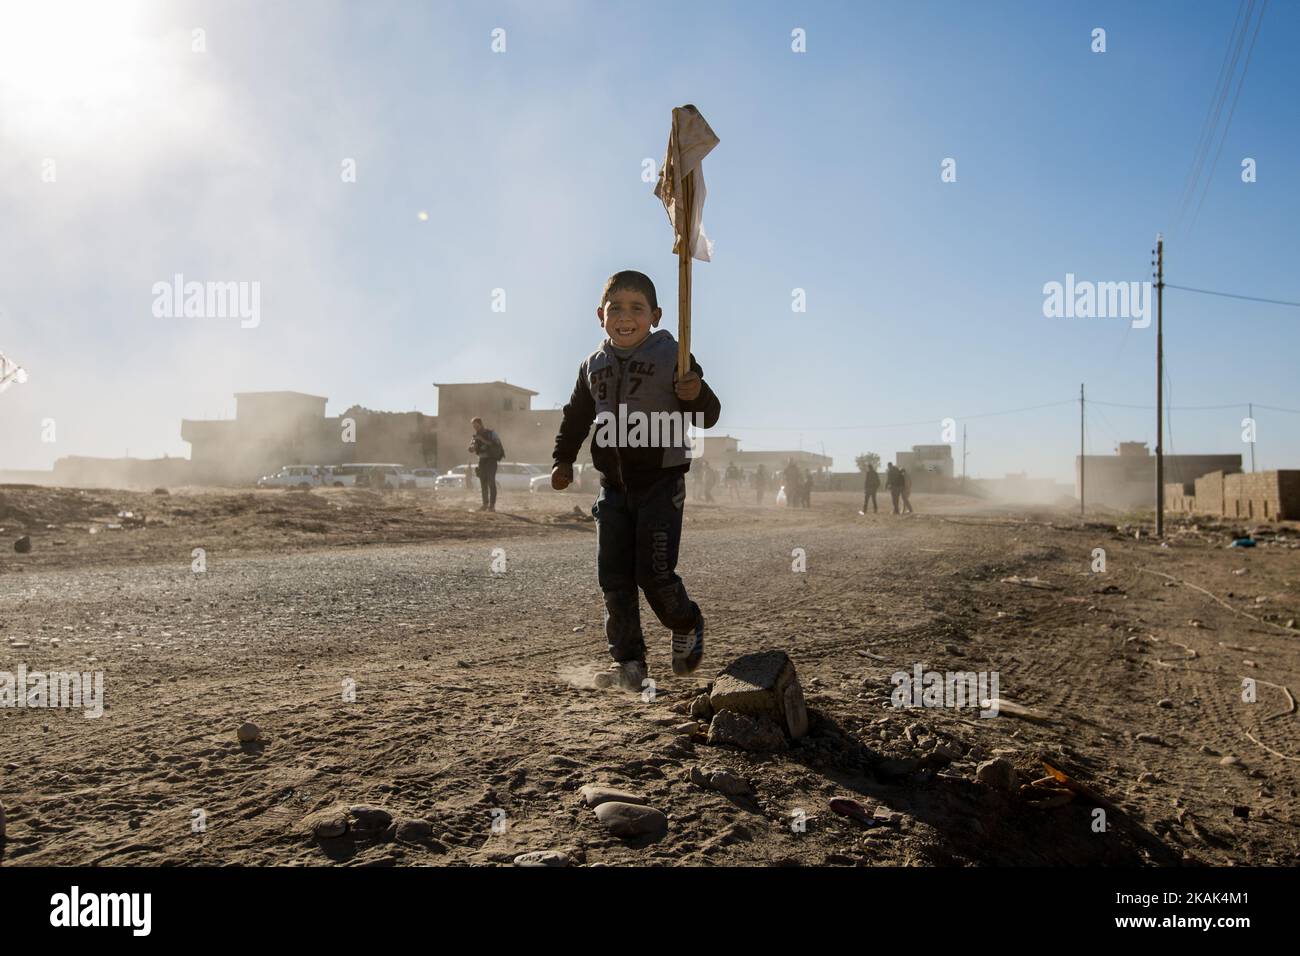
528	433
930	467
272	429
1128	479
723	450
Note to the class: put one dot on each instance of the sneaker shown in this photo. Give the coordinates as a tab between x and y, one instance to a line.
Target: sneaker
625	674
688	649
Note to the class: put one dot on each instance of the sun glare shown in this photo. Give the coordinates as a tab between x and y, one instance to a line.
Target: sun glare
60	55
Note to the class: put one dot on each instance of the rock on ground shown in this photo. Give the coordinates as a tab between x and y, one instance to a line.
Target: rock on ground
762	685
998	773
543	858
748	733
594	794
631	819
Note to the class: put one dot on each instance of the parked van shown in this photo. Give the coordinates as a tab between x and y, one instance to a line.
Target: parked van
294	476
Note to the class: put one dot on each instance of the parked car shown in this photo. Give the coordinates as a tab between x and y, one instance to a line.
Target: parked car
420	478
585	479
511	476
336	477
294	476
518	476
452	479
371	474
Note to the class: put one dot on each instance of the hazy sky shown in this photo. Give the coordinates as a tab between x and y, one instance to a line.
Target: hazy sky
924	298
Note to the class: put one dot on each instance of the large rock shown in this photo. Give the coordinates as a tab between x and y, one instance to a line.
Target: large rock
758	734
631	819
762	685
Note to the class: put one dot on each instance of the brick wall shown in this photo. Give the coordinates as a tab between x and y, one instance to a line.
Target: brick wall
1209	493
1262	496
1180	498
1288	505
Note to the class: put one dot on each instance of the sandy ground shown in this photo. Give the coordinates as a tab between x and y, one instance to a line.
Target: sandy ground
474	709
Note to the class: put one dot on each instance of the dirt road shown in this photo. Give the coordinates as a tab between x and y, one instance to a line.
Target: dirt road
450	682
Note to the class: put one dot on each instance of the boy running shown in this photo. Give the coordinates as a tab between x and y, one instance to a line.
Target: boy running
643	477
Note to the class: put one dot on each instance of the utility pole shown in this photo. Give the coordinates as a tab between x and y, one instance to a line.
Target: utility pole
1160	389
963	456
1081	449
1252	437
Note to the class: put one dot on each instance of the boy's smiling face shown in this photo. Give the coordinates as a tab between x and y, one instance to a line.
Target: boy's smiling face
627	318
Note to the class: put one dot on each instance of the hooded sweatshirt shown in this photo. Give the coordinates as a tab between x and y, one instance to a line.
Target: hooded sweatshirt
616	388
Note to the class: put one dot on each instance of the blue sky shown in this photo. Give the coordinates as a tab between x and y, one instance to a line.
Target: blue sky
924	298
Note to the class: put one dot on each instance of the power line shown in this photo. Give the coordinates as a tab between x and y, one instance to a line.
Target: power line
1232	112
1180	408
923	421
1207	126
1233	295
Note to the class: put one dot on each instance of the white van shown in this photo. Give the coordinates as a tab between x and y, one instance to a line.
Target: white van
294	476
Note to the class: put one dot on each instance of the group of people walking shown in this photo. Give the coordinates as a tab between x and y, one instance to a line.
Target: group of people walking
793	484
897	482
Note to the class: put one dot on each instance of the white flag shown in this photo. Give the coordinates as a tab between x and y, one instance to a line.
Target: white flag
689	142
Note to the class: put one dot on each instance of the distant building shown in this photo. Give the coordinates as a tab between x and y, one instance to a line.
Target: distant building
272	429
723	450
527	433
1128	479
930	467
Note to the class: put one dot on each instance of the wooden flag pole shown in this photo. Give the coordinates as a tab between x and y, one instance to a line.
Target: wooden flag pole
684	283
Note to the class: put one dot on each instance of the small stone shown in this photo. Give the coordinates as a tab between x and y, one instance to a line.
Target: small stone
543	858
414	831
594	794
1230	762
327	824
728	783
689	728
888	817
759	734
998	773
370	818
631	819
701	708
1166	703
1149	738
946	750
23	545
1147	777
248	732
